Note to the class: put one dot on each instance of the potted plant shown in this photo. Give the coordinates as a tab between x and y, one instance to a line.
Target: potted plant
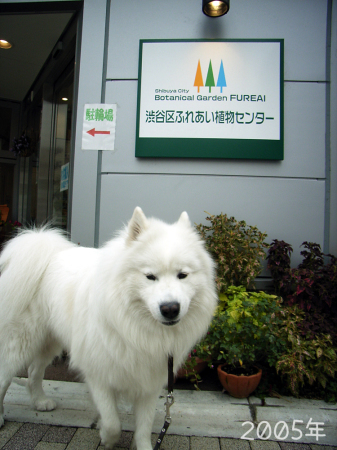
240	336
238	249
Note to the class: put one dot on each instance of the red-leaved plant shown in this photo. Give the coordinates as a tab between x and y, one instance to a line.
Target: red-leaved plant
312	285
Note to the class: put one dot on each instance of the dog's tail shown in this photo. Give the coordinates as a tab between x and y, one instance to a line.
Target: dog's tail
23	263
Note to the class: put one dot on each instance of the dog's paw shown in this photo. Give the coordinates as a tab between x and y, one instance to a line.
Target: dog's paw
109	438
45	404
144	446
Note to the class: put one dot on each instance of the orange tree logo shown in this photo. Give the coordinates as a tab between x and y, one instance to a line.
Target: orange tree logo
199	82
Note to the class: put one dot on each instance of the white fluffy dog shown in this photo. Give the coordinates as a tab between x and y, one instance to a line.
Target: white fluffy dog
119	311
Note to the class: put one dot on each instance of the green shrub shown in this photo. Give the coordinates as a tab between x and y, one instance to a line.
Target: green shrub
237	249
306	360
242	331
255	327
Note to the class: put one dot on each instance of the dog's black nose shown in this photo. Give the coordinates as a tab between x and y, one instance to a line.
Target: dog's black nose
170	310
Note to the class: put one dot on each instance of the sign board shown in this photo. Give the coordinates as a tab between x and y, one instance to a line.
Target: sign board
210	99
64	181
99	126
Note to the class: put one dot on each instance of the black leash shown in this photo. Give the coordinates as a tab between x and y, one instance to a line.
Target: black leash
169	402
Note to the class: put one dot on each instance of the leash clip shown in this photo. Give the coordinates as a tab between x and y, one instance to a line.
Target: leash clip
169	402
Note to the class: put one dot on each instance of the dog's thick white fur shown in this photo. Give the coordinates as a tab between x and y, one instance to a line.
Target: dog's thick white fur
119	311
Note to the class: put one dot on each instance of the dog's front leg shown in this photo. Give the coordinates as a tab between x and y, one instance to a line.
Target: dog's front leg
109	423
145	407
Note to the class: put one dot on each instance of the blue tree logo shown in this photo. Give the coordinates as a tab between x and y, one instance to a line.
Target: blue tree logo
221	78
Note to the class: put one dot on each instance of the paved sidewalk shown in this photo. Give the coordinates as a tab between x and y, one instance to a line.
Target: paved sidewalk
28	436
200	421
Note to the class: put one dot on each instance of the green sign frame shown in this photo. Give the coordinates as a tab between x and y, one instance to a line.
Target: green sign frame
212	147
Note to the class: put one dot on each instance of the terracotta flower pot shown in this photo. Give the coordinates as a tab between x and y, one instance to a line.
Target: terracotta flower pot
201	365
239	386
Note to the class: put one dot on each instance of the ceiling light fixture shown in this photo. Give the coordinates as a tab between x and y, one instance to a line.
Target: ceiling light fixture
5	44
65	99
215	8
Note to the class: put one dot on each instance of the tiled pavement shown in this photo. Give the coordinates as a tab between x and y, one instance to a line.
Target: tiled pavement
200	421
29	436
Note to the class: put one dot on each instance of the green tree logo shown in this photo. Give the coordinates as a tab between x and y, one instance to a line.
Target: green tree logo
210	77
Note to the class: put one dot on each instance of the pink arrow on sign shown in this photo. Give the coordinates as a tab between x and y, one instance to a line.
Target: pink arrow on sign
93	132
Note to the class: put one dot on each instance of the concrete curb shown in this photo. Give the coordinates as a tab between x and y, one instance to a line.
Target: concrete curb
198	414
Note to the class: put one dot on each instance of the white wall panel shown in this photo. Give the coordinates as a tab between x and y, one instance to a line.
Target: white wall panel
302	23
304	154
89	91
292	210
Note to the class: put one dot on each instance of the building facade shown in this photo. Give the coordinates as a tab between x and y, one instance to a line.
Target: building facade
294	199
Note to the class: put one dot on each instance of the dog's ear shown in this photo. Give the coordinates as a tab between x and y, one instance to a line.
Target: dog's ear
184	219
137	224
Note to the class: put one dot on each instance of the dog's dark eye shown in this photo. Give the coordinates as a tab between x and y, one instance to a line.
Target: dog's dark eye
182	275
151	277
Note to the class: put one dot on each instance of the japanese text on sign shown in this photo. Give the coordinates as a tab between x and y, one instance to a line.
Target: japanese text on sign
99	114
99	126
225	117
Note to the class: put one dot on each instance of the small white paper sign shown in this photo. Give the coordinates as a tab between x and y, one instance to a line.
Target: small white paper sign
99	126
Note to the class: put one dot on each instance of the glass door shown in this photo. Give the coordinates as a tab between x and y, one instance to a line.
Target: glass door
60	162
9	125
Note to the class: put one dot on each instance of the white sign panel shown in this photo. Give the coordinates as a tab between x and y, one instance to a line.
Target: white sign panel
99	126
218	90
